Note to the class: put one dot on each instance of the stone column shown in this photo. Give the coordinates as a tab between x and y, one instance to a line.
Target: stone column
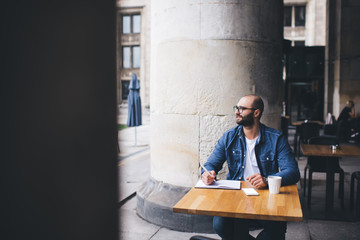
350	54
342	56
205	55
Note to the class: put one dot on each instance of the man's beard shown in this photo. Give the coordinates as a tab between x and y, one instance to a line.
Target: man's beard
247	121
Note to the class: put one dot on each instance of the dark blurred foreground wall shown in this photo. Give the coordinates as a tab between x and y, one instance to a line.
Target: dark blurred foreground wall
58	120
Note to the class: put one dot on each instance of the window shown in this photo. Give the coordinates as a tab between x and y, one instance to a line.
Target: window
126	24
136	20
287	16
299	16
125	89
136	57
131	57
294	16
131	24
126	57
299	43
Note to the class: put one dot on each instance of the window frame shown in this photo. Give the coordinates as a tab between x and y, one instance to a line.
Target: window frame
284	20
131	56
131	16
293	17
303	23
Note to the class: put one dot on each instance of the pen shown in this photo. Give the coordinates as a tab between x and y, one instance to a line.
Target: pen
206	170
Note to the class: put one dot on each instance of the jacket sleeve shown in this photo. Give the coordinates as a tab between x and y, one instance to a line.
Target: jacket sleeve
217	157
289	170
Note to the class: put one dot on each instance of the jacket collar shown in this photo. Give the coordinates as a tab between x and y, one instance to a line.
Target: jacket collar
240	132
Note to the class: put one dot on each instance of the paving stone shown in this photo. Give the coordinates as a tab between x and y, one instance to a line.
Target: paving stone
333	230
166	234
131	226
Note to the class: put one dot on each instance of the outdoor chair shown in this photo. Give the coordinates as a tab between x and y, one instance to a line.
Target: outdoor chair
343	131
323	164
330	128
307	130
355	176
252	226
198	237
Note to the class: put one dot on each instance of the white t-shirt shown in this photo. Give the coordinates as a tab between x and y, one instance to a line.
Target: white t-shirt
251	166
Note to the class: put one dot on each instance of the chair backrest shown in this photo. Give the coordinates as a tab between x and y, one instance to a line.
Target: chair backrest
342	131
323	140
333	119
308	130
330	129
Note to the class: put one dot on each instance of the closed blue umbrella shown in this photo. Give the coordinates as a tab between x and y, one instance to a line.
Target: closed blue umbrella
134	104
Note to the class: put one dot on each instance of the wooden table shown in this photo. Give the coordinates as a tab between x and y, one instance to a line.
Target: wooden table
326	151
234	203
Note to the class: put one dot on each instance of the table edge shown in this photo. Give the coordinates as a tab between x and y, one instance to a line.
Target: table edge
241	215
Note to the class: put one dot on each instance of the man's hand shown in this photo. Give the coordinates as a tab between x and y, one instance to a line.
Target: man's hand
257	181
208	179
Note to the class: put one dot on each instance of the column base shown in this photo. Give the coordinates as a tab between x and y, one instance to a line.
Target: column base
155	201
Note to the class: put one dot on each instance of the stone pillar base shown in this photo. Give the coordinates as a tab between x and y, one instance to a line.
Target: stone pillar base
155	201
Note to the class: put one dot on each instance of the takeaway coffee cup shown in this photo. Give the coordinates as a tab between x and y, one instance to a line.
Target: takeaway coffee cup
274	183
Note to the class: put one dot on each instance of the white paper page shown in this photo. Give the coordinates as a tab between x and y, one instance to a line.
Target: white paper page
250	191
221	184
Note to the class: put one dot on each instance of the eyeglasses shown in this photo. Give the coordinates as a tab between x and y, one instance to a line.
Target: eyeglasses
242	109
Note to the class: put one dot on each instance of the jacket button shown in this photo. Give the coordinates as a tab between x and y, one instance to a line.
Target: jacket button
243	167
240	178
267	158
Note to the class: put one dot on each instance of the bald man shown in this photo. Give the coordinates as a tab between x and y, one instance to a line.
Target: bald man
253	152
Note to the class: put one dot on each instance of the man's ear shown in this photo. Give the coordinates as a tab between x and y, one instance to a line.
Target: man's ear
257	113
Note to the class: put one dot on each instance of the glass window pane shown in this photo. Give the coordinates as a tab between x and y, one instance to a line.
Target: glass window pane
299	43
126	24
287	16
125	89
136	21
300	16
136	57
126	57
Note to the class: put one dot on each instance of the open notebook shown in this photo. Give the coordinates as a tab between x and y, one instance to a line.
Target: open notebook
221	184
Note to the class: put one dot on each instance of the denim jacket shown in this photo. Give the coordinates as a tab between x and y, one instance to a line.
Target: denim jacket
272	150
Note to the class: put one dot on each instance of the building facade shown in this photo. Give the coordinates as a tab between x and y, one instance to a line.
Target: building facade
304	25
304	22
133	48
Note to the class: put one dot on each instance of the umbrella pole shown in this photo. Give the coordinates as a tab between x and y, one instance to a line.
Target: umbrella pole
135	137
